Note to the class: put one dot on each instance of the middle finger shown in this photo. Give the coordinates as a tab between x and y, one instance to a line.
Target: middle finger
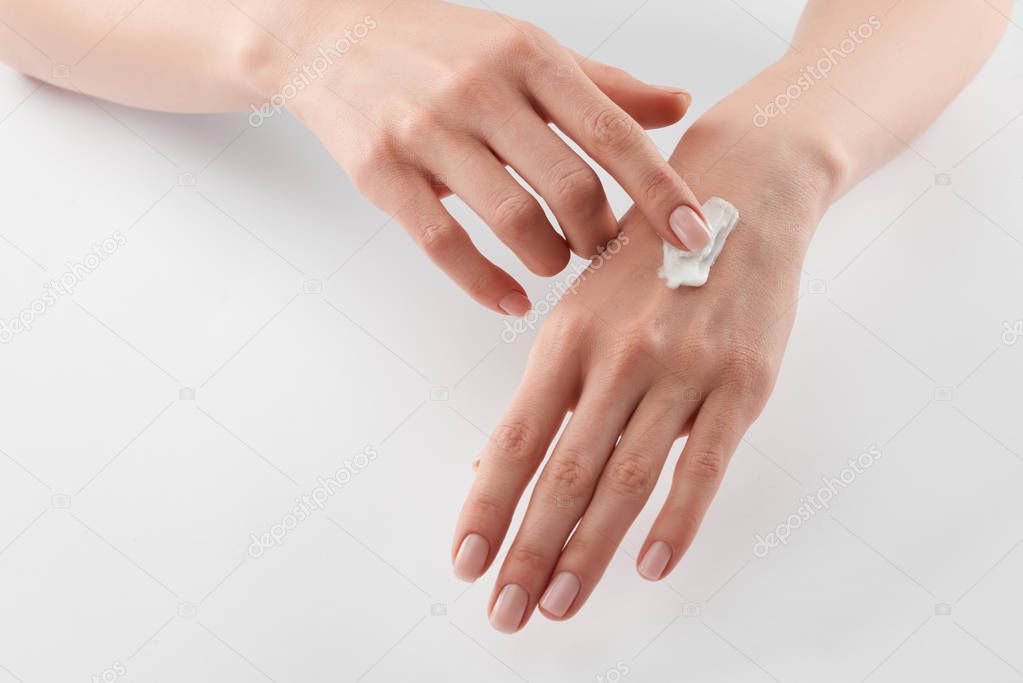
567	183
559	498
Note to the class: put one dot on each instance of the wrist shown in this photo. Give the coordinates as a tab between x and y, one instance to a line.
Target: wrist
774	119
802	172
292	52
257	62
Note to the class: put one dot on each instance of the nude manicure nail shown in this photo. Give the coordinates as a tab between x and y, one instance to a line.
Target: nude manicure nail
690	228
509	608
471	557
560	594
651	567
672	90
515	303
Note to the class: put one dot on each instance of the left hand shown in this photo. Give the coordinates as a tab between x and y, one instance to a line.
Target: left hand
632	359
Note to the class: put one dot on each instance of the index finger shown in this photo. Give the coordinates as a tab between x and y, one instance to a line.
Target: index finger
620	145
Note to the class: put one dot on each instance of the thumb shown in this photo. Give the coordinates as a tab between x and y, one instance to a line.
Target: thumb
652	106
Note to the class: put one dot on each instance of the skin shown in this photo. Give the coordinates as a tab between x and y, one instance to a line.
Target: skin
441	98
415	99
638	365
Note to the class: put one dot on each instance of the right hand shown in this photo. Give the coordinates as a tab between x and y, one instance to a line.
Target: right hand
432	98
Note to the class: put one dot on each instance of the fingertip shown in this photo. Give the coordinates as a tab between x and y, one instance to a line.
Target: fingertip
660	105
654	561
690	228
471	559
684	95
560	596
509	609
515	304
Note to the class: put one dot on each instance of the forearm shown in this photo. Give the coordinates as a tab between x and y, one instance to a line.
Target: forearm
180	56
183	56
835	107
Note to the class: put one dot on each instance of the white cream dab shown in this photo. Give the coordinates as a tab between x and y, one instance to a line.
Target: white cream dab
691	268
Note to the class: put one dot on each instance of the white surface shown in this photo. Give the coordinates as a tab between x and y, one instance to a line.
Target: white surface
908	285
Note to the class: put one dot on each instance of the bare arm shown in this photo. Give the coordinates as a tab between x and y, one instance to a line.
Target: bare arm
863	78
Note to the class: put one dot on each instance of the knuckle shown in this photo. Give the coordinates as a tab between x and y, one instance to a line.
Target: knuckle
565	474
589	543
686	520
657	183
704	466
514	442
630	475
515	41
576	187
698	350
437	238
561	332
470	88
633	350
483	506
608	129
516	214
415	128
366	170
749	373
480	284
530	559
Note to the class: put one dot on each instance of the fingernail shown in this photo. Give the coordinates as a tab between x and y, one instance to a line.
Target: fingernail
515	304
671	89
509	608
690	228
654	561
471	557
560	594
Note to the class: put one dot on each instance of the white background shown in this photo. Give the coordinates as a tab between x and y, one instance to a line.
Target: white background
309	328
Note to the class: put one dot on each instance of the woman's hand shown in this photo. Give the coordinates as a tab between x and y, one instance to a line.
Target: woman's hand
433	97
639	365
414	98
